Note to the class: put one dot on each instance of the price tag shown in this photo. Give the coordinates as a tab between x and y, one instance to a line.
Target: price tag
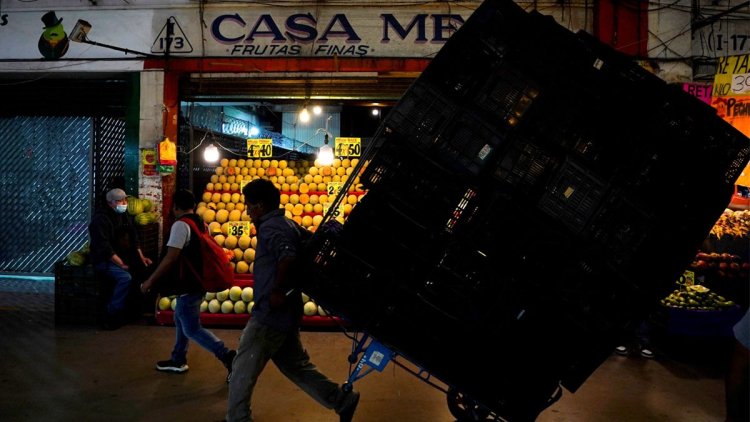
339	212
689	277
238	228
259	148
347	147
333	188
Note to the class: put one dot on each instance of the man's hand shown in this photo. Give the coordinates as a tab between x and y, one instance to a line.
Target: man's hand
146	260
146	286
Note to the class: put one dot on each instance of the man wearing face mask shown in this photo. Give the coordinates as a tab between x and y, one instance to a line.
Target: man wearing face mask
115	252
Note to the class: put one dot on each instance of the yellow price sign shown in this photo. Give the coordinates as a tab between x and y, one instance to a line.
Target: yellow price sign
259	148
238	228
347	147
689	277
243	182
333	188
339	212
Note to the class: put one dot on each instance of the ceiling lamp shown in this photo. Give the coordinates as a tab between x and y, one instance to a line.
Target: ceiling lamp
304	115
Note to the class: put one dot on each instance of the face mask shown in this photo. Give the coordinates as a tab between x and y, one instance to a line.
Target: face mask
121	208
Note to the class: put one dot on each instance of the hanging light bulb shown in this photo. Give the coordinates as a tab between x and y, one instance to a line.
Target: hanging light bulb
325	153
304	115
211	154
317	110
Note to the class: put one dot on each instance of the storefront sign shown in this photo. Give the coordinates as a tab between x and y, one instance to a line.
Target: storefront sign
732	76
241	30
700	91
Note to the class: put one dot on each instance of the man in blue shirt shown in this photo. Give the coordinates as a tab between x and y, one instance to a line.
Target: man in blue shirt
272	333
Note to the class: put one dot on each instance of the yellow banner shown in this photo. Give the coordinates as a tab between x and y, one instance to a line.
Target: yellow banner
732	76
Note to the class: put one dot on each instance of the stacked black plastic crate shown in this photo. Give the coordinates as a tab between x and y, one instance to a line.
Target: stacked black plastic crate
529	189
78	296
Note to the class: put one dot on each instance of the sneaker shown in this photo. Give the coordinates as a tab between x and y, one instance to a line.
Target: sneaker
349	405
171	366
622	350
647	353
227	361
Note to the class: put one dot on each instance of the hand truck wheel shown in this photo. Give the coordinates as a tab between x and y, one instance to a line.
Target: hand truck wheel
464	408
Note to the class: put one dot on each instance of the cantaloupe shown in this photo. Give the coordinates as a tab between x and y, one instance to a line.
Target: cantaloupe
222	295
247	294
227	307
165	303
242	267
235	293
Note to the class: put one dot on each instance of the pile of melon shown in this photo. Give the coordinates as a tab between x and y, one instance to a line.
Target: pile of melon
141	210
235	300
304	197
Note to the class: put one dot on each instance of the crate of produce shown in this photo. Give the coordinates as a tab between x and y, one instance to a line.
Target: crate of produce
79	297
148	239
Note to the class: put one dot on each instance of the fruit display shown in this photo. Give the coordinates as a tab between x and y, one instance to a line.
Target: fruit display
306	192
732	224
720	265
80	257
696	297
723	263
141	210
233	306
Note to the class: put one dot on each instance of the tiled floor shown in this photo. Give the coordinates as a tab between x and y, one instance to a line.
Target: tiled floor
50	373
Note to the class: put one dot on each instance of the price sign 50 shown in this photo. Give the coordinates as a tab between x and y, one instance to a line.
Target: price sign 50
238	228
348	147
259	148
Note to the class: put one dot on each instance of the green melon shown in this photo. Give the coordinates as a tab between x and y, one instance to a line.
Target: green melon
143	218
135	205
147	204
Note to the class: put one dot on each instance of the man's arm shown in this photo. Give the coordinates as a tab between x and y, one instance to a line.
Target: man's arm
171	258
281	286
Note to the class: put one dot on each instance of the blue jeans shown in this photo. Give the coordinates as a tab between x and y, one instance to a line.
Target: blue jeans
122	279
188	326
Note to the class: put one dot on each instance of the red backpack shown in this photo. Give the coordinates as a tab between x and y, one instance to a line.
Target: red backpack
216	273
